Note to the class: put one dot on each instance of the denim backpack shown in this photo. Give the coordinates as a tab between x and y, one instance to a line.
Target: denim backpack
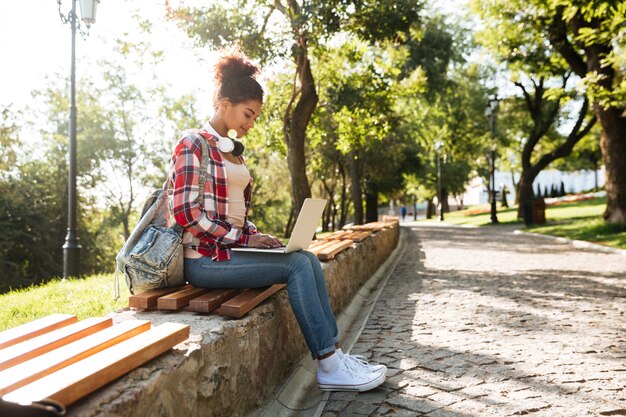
152	256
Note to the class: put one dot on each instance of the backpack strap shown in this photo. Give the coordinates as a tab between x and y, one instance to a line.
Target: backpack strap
204	165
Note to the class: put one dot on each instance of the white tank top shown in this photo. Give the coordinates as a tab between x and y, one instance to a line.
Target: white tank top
238	179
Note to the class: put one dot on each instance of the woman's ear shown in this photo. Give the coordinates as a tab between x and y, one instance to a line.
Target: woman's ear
225	105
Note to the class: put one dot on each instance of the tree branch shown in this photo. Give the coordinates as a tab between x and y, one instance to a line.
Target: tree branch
267	17
574	136
529	103
557	34
280	7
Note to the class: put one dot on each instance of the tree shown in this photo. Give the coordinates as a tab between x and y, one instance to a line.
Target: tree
271	30
588	37
542	78
544	113
8	139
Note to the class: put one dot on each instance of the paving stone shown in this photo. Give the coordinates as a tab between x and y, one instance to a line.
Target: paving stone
402	413
484	322
357	408
336	405
445	398
412	404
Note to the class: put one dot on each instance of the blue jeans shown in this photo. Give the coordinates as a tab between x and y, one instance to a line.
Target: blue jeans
302	273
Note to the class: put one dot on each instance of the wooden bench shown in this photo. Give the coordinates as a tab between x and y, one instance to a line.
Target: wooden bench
61	359
225	302
237	303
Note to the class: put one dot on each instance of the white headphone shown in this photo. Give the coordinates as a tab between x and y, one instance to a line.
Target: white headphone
226	145
230	144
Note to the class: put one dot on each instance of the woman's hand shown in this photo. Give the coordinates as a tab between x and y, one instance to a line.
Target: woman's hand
261	240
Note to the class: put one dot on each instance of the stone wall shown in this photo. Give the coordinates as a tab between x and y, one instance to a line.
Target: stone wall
230	367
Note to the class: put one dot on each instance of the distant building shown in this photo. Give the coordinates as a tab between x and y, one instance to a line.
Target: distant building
575	182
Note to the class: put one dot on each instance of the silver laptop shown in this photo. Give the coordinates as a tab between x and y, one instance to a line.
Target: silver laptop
303	231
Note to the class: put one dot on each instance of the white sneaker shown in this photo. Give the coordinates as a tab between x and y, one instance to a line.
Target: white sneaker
349	377
362	361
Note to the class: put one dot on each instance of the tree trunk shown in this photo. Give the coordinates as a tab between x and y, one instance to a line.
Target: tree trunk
515	188
613	146
430	209
612	120
371	206
331	208
444	201
294	129
357	193
344	205
525	192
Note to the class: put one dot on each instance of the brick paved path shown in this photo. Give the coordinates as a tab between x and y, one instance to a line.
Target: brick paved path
483	322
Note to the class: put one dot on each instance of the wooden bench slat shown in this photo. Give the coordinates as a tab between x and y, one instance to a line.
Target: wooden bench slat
35	328
329	252
179	299
318	248
36	368
339	234
238	306
315	244
211	300
39	345
359	236
376	226
148	300
82	378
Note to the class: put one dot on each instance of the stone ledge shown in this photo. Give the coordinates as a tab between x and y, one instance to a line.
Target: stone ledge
230	367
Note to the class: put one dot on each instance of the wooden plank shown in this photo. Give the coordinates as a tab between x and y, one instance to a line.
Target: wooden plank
238	306
35	328
82	378
39	345
374	226
148	300
211	300
359	236
316	243
339	234
317	249
330	251
179	299
36	368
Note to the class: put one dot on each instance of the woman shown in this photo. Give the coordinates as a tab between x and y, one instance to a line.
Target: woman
210	229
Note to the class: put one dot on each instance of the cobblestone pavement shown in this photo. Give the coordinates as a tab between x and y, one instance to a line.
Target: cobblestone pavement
484	322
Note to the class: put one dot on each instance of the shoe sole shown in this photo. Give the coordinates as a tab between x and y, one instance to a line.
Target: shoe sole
354	388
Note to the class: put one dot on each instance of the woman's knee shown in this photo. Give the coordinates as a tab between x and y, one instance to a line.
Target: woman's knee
300	266
310	256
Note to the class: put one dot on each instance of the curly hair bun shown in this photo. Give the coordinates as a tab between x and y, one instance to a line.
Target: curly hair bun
235	78
234	64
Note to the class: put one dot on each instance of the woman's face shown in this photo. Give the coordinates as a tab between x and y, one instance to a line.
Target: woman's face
241	116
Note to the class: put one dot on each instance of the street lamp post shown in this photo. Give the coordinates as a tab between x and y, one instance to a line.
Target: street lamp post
71	247
438	146
490	112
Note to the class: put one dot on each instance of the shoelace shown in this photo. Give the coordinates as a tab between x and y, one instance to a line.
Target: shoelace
361	359
353	368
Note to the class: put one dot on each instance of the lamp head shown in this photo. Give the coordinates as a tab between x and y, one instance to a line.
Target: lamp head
88	10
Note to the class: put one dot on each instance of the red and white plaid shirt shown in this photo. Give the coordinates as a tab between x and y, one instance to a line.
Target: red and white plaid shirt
206	229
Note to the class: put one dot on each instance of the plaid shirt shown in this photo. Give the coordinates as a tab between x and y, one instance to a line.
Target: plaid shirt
206	229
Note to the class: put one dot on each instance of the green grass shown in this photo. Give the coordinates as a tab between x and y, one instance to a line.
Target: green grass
86	297
580	220
468	217
592	229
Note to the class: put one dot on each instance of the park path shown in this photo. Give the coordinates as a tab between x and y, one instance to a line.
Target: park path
485	322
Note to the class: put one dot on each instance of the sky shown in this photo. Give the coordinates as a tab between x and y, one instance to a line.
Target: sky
34	43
